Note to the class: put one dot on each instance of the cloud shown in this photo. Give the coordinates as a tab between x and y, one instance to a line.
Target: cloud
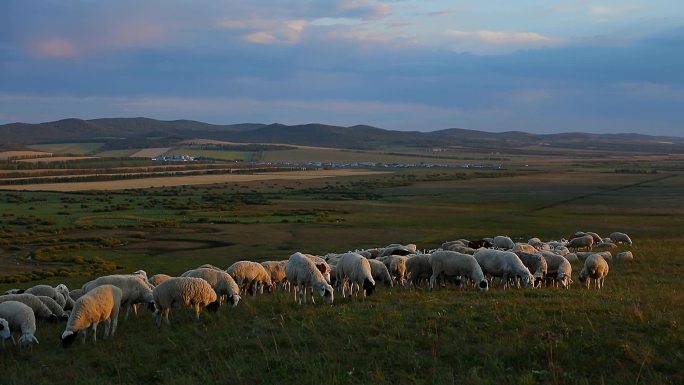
364	9
608	12
495	37
263	31
53	48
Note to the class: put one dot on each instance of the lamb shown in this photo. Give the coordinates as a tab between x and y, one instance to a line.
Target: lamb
624	256
135	289
355	270
418	268
252	275
454	264
99	304
183	292
39	309
380	272
503	242
536	264
559	269
596	268
276	269
583	242
222	283
618	237
504	264
54	307
20	317
303	273
156	279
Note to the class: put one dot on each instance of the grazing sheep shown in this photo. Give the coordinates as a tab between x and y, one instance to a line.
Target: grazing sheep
5	332
302	273
380	272
504	264
454	264
418	268
618	237
99	304
597	238
448	244
479	243
596	268
156	279
41	311
603	246
355	270
59	293
503	242
460	248
584	242
561	250
183	292
536	264
75	294
222	283
141	273
397	249
14	291
525	248
135	289
624	256
252	275
20	317
209	266
559	270
54	307
397	269
276	269
571	257
535	242
322	264
607	255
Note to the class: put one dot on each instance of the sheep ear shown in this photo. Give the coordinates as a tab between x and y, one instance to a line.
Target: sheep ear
322	268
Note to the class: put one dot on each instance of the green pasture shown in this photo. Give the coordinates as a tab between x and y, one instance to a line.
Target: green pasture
213	154
67	148
628	333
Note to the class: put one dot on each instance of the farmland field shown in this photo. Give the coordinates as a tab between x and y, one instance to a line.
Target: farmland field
628	333
68	148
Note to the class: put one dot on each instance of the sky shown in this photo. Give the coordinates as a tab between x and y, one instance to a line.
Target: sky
496	65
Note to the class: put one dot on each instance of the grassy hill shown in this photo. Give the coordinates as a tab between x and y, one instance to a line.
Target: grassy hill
123	133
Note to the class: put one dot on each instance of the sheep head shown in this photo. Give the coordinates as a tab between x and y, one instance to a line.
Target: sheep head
68	337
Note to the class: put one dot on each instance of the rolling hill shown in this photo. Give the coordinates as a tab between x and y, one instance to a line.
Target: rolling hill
118	133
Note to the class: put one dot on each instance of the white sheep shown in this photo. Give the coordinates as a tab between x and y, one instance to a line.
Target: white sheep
250	276
54	307
525	248
536	264
222	283
559	270
41	311
75	293
322	265
504	264
99	304
597	238
20	317
455	264
503	242
535	242
380	272
14	291
596	268
624	256
618	237
584	242
156	279
418	269
60	294
135	290
355	270
5	332
183	292
303	273
604	246
397	268
571	257
276	269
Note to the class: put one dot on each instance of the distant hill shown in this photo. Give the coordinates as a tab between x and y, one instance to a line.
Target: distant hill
118	133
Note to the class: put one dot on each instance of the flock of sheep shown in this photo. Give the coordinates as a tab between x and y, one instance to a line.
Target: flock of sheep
462	263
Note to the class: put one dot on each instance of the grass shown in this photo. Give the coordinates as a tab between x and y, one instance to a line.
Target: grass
68	148
628	333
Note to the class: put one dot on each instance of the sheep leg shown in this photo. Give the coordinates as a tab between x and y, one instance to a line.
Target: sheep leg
108	325
115	321
433	280
313	291
197	311
94	327
296	290
303	295
166	316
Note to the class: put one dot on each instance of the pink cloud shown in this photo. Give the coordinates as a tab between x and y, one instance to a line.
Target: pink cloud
264	31
54	48
496	37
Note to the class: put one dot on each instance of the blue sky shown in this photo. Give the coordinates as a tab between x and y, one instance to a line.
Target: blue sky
536	66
